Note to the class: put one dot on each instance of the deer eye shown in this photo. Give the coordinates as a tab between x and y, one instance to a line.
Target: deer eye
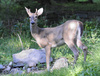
36	16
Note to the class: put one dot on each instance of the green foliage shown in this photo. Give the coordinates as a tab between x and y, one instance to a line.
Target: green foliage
91	28
42	22
14	9
22	28
3	33
7	8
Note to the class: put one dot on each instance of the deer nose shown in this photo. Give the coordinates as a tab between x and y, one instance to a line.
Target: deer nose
32	22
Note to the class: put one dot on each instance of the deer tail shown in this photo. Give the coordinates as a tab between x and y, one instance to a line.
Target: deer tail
80	30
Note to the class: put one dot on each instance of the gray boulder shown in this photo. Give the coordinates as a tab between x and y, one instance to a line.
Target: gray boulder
30	57
60	63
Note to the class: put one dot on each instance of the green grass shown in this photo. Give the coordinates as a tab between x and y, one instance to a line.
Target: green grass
91	39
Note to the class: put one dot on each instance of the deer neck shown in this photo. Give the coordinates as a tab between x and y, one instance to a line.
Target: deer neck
34	29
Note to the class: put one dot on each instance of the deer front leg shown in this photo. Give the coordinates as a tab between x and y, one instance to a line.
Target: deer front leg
48	52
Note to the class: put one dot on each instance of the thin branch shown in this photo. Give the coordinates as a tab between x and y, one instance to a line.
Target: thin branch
20	40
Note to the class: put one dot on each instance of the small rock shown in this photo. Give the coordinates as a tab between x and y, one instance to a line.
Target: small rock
10	64
24	68
31	69
1	67
7	70
28	70
16	70
34	68
60	63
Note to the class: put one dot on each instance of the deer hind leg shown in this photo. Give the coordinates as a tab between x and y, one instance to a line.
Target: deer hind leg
72	46
83	47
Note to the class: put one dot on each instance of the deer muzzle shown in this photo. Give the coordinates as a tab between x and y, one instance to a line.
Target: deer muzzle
32	22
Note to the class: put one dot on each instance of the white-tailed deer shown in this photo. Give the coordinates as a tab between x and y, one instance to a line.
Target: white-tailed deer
69	32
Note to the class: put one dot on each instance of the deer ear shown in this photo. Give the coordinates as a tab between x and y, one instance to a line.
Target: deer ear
28	11
40	11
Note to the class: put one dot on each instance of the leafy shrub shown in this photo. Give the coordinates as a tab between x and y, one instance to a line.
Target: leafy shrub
90	29
4	32
22	28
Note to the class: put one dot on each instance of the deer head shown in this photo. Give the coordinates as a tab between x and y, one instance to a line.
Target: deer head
34	16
